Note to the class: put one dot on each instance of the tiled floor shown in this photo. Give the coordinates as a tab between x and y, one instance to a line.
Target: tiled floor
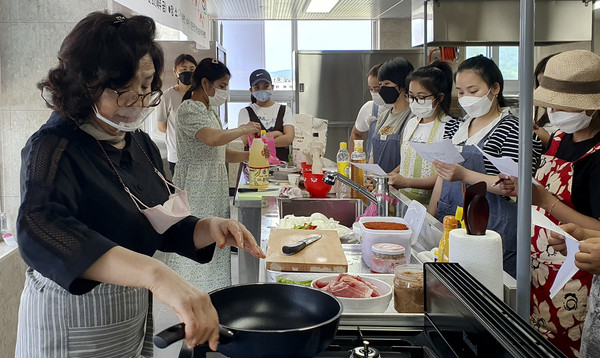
164	317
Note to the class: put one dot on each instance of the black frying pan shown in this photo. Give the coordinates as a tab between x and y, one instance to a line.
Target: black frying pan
270	320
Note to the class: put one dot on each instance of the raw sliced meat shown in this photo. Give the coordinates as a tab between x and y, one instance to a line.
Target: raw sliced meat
349	286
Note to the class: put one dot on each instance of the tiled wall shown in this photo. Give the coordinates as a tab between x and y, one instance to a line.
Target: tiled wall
31	34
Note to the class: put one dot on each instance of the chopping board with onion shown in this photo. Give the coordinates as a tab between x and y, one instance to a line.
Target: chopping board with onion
323	255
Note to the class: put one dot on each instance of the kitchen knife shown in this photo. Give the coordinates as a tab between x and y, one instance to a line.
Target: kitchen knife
299	245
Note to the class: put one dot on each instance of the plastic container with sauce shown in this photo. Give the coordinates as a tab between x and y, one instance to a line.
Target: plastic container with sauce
371	236
408	289
386	256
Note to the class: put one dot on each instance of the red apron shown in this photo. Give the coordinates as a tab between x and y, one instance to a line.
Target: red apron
560	319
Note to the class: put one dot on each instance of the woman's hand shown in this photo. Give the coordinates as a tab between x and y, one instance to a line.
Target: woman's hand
396	180
192	306
509	186
449	172
558	241
588	257
250	128
230	232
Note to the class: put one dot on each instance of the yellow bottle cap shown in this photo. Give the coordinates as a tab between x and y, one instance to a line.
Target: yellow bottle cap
343	145
450	222
263	132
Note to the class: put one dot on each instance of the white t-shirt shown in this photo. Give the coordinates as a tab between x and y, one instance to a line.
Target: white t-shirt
167	112
267	115
422	132
365	117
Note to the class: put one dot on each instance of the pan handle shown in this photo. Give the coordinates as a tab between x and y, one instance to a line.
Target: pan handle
177	332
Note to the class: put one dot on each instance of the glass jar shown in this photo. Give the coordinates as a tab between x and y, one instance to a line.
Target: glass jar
408	289
386	256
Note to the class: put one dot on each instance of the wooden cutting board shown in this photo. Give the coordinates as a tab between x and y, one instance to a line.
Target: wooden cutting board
323	255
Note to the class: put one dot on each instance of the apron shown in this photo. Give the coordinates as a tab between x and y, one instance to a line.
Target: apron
283	153
412	166
386	147
503	211
559	319
107	322
371	119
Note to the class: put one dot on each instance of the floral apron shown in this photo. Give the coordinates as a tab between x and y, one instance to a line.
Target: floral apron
559	319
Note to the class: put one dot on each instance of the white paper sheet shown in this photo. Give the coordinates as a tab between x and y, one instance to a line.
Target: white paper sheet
371	168
444	151
505	165
568	268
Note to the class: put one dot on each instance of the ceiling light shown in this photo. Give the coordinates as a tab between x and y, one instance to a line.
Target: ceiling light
321	5
596	5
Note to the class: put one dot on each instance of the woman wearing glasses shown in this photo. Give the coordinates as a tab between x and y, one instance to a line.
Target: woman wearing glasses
95	206
491	127
429	95
201	169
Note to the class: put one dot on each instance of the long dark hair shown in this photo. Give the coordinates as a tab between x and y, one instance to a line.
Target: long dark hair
540	68
487	70
436	78
210	69
102	51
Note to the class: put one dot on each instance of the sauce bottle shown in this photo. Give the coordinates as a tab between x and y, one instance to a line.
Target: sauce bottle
343	163
357	175
450	223
258	164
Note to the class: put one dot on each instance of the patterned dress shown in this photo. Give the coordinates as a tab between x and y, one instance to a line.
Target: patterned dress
559	319
201	171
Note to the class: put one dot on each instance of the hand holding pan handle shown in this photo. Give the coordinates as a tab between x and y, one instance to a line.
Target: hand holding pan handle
177	332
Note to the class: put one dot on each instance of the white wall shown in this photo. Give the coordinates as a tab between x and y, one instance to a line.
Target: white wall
31	34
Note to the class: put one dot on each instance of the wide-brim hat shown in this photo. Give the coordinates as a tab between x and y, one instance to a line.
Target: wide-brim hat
260	75
571	81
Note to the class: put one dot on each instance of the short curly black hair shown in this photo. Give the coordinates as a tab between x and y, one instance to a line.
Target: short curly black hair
102	51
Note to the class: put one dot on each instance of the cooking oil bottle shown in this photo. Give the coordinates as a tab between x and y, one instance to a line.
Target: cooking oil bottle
450	223
258	164
358	175
343	163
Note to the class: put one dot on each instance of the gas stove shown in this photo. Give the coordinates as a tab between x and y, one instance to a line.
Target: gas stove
462	319
353	342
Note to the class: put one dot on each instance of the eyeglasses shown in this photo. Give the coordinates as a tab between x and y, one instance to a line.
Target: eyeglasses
129	98
419	100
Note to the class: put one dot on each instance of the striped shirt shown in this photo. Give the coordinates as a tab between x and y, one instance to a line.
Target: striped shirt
502	142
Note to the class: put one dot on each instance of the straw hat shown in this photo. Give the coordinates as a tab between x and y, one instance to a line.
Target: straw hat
571	81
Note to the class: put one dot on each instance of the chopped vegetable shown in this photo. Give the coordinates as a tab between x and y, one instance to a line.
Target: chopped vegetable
300	283
305	226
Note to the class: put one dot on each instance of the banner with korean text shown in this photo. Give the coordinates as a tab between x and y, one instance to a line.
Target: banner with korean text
187	16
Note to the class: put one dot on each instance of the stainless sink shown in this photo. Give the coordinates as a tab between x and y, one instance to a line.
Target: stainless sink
343	210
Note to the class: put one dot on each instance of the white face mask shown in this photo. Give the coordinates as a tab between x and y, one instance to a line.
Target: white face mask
162	217
423	110
476	106
377	99
219	98
569	122
131	118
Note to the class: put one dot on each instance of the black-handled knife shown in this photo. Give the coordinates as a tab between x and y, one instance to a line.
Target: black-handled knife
299	245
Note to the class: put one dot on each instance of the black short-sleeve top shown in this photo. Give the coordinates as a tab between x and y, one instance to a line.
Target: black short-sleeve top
74	209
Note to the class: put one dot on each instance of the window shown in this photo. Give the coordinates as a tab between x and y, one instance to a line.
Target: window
334	35
507	59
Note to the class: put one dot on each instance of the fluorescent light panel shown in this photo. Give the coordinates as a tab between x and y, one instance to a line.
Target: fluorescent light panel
321	5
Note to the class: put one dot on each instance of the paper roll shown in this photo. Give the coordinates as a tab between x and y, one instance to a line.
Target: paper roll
481	256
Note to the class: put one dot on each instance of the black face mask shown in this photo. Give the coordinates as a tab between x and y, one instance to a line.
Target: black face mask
185	78
389	94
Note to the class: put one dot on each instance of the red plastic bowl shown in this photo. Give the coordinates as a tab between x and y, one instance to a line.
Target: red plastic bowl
306	167
315	186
